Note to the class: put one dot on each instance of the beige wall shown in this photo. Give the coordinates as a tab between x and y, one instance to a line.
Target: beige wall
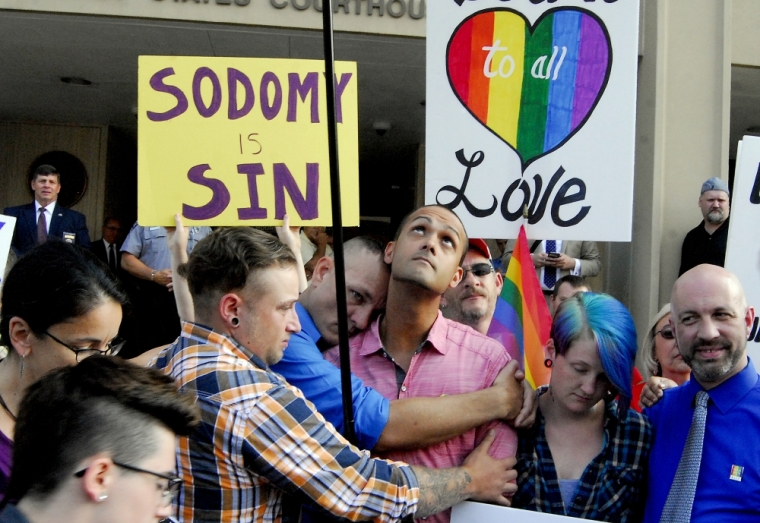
745	38
21	144
682	139
253	12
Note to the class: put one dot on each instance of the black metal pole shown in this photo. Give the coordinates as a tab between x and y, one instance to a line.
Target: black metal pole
337	220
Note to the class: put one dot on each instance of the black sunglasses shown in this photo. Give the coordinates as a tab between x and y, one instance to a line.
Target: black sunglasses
478	269
112	348
167	495
666	333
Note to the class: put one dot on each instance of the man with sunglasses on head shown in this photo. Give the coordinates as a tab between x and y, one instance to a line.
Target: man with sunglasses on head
97	442
413	351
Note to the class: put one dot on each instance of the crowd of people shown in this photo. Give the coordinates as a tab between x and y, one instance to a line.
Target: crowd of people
249	383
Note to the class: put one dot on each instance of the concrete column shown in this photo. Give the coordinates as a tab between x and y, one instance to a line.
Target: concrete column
682	139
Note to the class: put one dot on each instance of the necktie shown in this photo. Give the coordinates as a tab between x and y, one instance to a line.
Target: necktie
681	496
112	258
41	227
550	274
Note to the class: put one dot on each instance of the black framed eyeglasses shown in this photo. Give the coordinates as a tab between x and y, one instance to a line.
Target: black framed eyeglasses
168	493
666	333
478	269
112	348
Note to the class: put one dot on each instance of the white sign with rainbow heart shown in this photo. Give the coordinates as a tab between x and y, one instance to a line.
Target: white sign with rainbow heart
533	105
7	224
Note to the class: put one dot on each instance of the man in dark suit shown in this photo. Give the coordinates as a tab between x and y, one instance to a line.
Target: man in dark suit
44	218
106	249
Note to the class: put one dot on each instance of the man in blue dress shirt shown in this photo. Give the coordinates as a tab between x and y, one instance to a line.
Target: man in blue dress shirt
712	321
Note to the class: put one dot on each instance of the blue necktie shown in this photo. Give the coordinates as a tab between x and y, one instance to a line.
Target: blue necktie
550	273
681	496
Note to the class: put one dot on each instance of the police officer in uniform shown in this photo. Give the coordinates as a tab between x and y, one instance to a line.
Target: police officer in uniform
145	256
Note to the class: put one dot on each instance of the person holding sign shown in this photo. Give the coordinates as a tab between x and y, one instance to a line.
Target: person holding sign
44	218
262	448
587	454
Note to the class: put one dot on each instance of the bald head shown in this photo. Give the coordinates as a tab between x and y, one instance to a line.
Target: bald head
700	276
712	322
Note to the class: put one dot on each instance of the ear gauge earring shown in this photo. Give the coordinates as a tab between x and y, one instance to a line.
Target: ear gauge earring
548	363
235	321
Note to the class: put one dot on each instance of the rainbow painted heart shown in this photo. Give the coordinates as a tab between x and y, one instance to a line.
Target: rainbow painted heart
532	86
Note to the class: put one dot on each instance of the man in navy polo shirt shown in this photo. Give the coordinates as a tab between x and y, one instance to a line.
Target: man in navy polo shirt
712	321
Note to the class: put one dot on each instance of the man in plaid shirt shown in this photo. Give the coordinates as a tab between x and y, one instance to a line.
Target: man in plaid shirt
262	449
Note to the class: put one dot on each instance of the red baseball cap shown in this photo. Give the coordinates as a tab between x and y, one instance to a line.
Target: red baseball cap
481	246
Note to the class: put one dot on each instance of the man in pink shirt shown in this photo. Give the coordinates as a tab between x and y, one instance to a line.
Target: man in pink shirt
414	351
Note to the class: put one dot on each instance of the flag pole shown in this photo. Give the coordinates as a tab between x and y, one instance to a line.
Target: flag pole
337	220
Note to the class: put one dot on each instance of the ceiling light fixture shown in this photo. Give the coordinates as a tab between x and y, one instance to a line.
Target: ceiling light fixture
381	127
75	80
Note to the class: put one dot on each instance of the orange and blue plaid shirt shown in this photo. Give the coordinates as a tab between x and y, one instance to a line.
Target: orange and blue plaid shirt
262	449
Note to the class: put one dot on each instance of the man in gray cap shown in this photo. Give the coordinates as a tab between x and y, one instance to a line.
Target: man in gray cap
706	243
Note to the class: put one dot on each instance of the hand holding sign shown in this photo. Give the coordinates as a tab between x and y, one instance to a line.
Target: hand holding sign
242	141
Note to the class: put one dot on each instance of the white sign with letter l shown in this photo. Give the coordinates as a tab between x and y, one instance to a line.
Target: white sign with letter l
743	250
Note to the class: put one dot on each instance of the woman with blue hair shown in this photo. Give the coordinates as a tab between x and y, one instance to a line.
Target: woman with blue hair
587	453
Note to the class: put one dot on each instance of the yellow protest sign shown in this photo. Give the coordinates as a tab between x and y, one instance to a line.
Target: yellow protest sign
242	141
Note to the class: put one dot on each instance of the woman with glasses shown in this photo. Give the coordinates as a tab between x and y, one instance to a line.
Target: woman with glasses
587	453
60	305
96	443
659	360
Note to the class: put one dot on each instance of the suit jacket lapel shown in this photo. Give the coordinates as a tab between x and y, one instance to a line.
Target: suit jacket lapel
30	225
57	222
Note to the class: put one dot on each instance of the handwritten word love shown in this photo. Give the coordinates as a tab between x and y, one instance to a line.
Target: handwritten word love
571	191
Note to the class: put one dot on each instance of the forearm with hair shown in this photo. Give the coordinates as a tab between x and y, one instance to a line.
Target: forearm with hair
133	265
421	422
440	489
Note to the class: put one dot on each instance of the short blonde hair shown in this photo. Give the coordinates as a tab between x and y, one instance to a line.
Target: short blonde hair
645	361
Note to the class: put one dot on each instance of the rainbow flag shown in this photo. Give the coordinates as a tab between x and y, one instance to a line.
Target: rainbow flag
539	84
521	310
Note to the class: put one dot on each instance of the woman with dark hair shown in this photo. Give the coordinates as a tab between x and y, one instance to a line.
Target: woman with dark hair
587	453
60	304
